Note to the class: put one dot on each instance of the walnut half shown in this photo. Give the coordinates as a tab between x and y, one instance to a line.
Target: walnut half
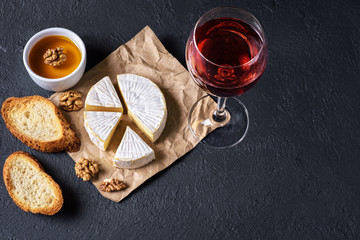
54	57
71	101
86	169
111	185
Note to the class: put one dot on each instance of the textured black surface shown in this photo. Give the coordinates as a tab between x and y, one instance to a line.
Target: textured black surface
296	174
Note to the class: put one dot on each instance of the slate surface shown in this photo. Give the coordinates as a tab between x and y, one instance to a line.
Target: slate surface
296	174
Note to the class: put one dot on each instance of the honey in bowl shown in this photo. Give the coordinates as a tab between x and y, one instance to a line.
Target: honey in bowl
71	51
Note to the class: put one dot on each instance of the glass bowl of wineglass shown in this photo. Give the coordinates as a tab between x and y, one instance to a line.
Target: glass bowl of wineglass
226	54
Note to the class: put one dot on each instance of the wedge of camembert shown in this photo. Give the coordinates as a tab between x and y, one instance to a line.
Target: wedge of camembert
145	103
101	126
103	97
132	152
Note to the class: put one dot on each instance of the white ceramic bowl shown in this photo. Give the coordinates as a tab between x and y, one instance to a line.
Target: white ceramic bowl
56	84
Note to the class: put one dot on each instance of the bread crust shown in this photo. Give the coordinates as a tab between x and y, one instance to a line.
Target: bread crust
24	206
69	141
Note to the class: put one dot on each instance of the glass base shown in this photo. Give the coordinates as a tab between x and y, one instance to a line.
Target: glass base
228	132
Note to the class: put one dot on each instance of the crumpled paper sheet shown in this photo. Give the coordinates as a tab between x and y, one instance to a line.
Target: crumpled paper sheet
146	56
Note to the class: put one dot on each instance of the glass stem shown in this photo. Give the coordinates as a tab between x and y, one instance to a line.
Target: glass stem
220	113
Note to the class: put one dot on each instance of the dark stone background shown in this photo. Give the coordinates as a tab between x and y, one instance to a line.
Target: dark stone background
296	174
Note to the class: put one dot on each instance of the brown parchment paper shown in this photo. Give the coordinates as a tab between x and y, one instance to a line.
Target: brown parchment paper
146	56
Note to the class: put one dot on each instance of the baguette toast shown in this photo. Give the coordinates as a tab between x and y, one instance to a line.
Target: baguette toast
38	123
29	186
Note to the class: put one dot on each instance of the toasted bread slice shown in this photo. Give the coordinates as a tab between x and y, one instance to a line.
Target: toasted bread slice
38	123
29	186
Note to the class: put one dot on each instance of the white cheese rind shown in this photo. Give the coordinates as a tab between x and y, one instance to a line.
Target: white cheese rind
132	152
145	101
103	94
100	126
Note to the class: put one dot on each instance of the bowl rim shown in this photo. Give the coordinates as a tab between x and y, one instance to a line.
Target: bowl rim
54	31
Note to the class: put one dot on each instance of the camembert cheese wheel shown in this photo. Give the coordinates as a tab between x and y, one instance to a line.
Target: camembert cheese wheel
132	152
145	103
101	126
103	97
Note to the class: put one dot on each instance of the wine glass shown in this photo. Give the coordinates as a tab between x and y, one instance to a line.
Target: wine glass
226	54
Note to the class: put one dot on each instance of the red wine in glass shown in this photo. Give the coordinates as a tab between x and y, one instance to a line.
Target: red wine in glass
226	53
227	58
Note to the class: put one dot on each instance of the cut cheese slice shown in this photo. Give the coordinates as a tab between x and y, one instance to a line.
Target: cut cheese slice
145	104
103	97
132	152
101	126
